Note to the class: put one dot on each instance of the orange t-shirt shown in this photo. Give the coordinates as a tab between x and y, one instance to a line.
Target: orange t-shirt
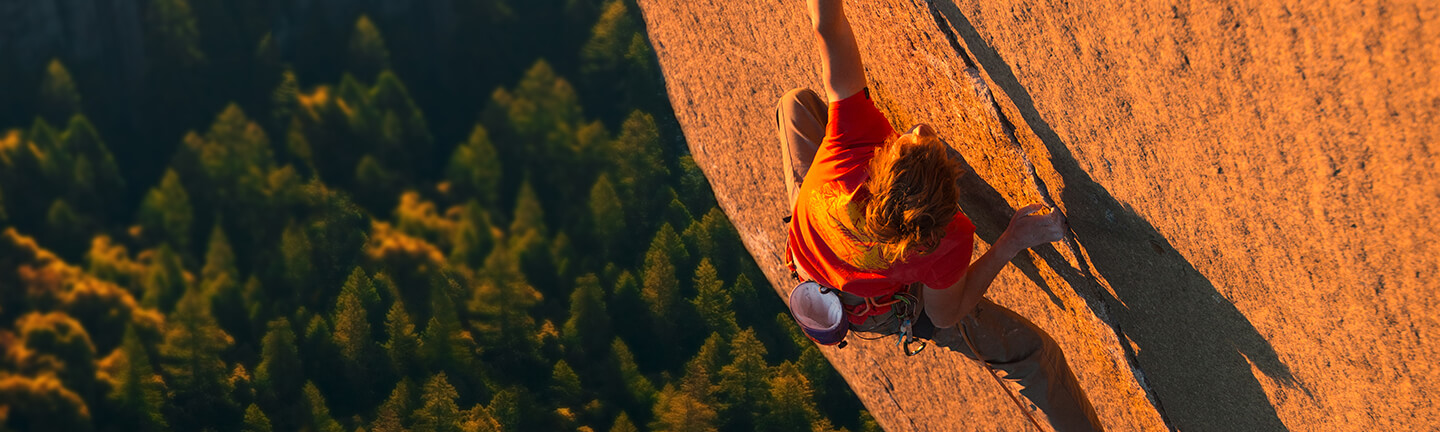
823	234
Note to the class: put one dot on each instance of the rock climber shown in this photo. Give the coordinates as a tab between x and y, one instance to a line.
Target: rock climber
875	214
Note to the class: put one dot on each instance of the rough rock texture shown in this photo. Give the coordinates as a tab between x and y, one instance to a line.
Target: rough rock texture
1251	189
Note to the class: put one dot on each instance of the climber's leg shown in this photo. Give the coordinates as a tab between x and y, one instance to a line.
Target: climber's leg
1022	353
800	122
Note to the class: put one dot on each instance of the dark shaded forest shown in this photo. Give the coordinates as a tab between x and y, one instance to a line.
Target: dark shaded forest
467	215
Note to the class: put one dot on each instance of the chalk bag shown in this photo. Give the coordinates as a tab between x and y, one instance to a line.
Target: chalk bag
818	310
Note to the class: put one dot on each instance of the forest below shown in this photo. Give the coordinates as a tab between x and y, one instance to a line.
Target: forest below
356	216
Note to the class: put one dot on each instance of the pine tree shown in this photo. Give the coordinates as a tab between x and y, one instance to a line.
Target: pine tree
438	411
694	188
637	166
474	239
220	280
474	169
363	288
97	184
543	110
587	331
59	99
713	355
279	376
628	308
353	336
661	287
255	420
320	419
679	411
640	390
402	346
712	302
165	215
446	346
744	387
608	215
675	212
505	408
623	424
139	392
198	376
296	250
565	388
172	33
392	414
219	262
164	281
725	249
368	54
792	406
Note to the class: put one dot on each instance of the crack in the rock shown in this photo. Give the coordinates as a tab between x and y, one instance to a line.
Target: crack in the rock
890	392
1101	308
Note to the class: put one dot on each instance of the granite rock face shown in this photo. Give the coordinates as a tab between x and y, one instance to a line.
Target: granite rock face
1251	189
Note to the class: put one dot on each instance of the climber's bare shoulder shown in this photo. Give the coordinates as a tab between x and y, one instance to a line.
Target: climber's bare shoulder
839	53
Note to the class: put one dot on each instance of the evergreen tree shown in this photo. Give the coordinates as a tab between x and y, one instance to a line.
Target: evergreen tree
279	376
356	345
623	424
679	411
392	414
368	54
59	98
639	390
724	245
694	187
587	331
744	387
438	411
628	312
713	354
362	287
296	250
637	166
712	302
164	281
444	345
474	169
402	346
505	408
255	420
608	215
193	367
321	353
675	212
284	103
565	388
320	419
661	286
220	280
97	184
139	393
165	215
219	263
172	33
792	406
474	238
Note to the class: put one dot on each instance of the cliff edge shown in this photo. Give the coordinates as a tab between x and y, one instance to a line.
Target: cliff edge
1251	190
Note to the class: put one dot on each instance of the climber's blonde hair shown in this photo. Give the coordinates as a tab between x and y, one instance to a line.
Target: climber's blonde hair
913	195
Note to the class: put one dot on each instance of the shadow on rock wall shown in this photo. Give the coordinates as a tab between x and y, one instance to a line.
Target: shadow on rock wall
1194	349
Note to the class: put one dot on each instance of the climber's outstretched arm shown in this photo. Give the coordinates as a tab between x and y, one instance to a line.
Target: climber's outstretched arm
839	54
1026	230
